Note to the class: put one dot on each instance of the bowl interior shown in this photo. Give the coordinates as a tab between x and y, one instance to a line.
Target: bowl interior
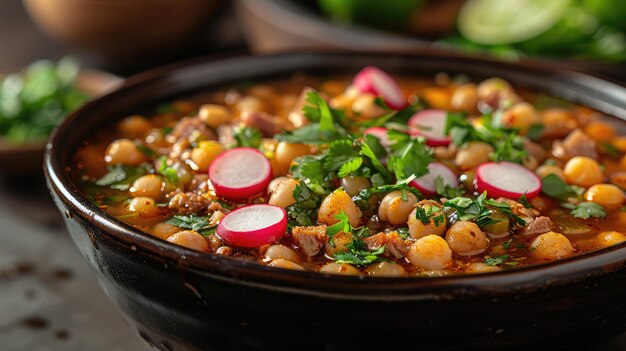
148	89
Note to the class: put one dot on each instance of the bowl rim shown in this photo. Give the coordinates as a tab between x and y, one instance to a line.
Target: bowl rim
242	272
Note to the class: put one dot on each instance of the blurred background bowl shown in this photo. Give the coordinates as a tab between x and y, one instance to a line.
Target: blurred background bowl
27	159
288	25
121	28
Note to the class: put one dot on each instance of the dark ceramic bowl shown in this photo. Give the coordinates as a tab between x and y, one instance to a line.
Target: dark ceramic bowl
178	299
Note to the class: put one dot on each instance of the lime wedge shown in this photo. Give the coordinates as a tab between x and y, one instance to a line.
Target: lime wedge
495	22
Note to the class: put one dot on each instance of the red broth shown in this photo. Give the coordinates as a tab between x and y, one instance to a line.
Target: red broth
351	211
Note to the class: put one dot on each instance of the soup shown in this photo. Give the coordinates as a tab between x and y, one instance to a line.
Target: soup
371	174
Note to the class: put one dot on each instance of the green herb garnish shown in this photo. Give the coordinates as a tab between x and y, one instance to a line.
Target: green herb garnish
586	210
247	137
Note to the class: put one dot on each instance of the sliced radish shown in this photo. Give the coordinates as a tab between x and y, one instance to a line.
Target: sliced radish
507	179
378	82
253	226
426	184
240	173
431	124
381	134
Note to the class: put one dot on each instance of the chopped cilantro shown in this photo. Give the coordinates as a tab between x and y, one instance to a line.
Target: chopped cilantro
501	260
304	211
342	226
170	173
191	222
403	185
247	137
508	144
471	210
409	156
427	213
121	177
403	233
510	148
586	210
446	190
358	254
505	208
508	245
555	187
147	151
524	201
323	128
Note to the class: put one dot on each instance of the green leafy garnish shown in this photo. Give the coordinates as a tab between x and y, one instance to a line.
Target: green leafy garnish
501	260
34	100
342	226
471	210
304	211
510	148
508	245
427	213
358	254
555	187
247	137
403	233
506	208
447	191
402	185
409	156
586	210
170	173
147	151
323	128
508	145
192	222
121	177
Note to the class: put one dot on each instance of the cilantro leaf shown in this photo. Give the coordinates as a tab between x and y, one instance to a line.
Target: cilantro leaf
147	151
170	173
247	137
495	261
304	211
425	213
471	210
586	210
506	208
342	226
361	198
358	254
192	222
501	260
410	156
323	128
446	190
350	166
121	177
510	148
368	152
555	187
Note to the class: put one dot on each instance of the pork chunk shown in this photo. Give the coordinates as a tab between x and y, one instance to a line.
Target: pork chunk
310	240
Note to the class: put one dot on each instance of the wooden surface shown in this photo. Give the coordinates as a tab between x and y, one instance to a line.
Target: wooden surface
49	298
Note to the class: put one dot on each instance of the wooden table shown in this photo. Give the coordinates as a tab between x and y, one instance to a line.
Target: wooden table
49	298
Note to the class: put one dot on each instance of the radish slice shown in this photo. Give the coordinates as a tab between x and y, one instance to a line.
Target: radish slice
431	124
253	226
507	179
426	184
240	173
381	134
378	82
